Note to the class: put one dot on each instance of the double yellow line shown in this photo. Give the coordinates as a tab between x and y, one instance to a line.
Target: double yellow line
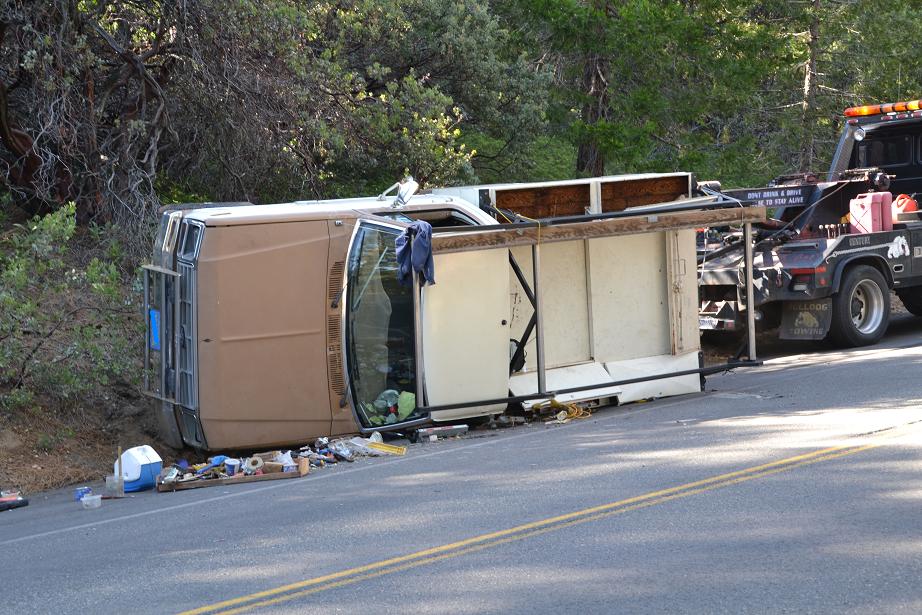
315	585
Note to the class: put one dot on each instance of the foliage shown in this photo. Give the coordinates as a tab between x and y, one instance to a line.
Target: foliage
68	320
713	86
549	157
104	101
119	106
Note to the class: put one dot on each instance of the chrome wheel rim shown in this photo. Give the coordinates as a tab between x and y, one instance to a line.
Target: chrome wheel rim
867	307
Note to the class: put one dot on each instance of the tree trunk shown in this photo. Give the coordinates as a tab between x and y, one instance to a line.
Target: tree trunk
589	160
808	103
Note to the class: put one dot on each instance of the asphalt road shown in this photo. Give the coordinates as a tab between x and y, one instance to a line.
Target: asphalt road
795	487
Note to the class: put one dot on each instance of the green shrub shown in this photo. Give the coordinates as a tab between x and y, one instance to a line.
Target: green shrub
68	316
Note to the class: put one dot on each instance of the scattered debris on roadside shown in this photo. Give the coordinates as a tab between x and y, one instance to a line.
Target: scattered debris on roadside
564	412
272	465
223	470
12	499
91	501
141	467
431	434
134	470
88	500
507	420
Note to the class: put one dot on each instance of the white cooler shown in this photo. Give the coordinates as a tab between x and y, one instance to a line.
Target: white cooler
140	467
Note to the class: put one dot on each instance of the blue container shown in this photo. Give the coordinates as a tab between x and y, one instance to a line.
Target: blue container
147	479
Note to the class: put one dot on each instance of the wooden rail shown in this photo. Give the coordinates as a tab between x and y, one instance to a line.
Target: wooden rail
506	237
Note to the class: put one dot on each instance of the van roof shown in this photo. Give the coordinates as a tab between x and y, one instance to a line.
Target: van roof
231	214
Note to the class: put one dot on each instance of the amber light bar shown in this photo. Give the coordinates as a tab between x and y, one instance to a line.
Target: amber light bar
912	105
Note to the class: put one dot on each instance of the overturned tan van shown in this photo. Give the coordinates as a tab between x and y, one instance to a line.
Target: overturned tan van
275	324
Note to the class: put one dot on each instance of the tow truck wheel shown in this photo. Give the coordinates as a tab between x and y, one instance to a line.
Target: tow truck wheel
861	308
912	300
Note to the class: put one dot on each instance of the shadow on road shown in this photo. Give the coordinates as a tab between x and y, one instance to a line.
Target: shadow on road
718	348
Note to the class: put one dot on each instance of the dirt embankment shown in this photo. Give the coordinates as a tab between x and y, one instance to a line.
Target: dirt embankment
49	446
71	338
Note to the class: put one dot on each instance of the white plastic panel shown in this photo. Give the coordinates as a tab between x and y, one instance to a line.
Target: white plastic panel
630	306
526	383
465	318
651	366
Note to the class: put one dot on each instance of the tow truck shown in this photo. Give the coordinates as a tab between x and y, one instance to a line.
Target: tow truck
825	262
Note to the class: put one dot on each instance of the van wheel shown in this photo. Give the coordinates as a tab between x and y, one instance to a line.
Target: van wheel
912	299
861	308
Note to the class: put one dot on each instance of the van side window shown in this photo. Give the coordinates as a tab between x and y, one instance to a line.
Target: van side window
191	236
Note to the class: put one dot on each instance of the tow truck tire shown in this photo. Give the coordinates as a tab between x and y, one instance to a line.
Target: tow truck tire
861	308
912	300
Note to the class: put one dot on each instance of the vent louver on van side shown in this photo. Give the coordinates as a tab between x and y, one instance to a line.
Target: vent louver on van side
337	382
335	330
335	285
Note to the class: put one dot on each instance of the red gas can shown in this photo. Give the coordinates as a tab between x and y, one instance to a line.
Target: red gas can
871	213
904	204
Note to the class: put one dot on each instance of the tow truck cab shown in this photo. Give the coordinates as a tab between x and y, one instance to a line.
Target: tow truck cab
816	273
887	136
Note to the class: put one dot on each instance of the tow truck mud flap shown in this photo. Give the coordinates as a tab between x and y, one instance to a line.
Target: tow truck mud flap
806	320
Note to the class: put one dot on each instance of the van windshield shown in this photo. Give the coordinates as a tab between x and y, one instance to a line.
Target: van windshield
380	333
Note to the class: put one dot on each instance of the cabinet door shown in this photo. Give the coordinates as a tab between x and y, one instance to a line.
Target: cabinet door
465	320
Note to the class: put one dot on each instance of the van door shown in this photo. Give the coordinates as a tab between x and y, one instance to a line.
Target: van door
380	332
465	324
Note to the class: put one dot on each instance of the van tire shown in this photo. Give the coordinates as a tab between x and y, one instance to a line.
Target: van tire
861	308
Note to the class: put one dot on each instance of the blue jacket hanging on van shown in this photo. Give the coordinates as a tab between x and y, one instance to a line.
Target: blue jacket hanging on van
414	253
